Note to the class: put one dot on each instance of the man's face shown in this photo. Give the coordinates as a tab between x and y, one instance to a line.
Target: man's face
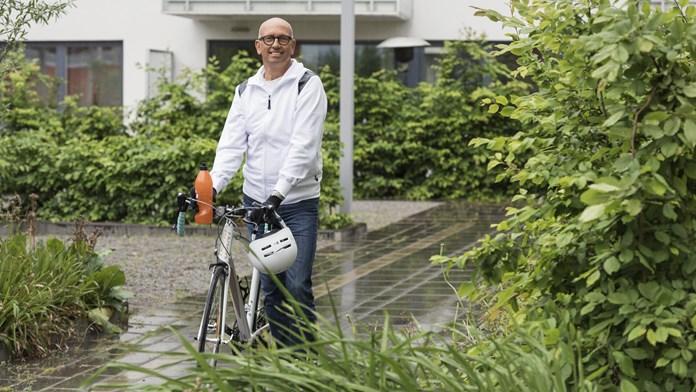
275	55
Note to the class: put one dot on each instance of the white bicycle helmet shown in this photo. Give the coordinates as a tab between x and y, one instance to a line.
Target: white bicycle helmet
274	252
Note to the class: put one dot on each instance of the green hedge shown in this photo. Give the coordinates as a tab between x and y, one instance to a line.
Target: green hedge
410	143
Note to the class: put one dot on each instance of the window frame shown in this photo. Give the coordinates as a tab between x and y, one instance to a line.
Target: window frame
62	48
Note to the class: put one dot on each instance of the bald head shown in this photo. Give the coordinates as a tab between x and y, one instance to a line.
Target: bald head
274	23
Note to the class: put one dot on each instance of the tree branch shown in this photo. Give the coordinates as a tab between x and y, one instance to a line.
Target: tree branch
637	116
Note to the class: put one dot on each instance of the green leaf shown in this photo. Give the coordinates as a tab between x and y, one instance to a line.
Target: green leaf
672	125
625	363
594	197
614	118
633	206
651	337
466	289
637	353
587	308
612	265
593	212
655	187
668	212
593	278
100	316
604	187
645	45
662	362
690	90
662	237
649	290
661	335
597	373
669	148
628	386
680	368
501	99
690	170
657	116
626	255
690	132
493	108
619	298
507	111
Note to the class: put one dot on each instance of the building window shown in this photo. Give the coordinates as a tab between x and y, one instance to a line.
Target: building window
91	70
160	68
314	55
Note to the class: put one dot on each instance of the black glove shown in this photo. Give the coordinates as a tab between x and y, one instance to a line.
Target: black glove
264	215
194	194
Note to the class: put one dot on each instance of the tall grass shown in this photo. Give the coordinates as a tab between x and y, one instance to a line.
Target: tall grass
37	289
373	359
46	287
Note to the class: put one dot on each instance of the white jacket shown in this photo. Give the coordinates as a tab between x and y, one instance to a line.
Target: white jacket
280	131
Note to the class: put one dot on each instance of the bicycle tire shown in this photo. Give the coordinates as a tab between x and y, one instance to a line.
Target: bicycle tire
211	332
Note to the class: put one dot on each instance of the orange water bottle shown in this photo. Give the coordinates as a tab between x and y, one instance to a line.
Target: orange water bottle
204	192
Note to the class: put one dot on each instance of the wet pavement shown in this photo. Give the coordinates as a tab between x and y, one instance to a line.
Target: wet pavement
387	271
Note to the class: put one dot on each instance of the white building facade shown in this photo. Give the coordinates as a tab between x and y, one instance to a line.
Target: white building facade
101	48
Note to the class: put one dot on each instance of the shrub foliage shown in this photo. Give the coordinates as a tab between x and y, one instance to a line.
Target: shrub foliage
599	245
409	143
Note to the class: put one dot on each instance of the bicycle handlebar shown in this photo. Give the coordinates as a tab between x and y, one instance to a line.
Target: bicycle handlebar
184	202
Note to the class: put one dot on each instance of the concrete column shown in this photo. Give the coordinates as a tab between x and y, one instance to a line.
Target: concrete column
346	103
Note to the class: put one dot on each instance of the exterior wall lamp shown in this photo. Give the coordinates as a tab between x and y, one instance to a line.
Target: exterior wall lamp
403	47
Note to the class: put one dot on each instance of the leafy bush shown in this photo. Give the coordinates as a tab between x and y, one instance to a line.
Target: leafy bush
46	288
600	240
409	143
413	143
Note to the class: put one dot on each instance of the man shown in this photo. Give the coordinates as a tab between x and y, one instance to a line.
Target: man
277	118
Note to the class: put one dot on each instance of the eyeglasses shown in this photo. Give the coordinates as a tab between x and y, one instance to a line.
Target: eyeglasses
269	39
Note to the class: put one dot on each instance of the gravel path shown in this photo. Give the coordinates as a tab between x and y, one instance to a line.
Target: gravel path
161	269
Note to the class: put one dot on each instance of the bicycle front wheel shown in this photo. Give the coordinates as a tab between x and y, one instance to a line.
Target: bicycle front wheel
212	330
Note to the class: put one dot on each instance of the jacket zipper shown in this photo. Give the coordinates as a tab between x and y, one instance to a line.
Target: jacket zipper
269	101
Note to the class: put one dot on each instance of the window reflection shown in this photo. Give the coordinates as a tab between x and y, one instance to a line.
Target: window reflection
46	59
368	58
93	71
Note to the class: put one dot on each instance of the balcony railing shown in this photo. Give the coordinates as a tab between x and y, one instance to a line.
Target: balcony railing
364	9
666	4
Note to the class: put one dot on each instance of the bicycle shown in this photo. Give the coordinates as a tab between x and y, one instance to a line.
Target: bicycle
250	322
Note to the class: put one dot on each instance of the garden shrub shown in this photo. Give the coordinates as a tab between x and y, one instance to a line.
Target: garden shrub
409	143
413	143
47	287
599	244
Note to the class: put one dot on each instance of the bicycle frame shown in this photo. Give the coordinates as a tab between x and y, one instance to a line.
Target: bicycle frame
248	310
223	268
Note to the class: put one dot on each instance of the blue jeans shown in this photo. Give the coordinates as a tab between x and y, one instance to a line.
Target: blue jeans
303	220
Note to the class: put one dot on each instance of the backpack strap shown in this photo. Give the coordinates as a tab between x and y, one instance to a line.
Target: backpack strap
242	86
300	85
303	80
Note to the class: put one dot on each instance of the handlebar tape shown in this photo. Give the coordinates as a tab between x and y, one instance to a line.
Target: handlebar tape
181	220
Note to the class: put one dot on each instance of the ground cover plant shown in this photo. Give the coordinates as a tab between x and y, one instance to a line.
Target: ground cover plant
598	248
48	288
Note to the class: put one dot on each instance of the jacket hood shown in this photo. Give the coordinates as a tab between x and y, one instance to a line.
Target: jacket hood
295	71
